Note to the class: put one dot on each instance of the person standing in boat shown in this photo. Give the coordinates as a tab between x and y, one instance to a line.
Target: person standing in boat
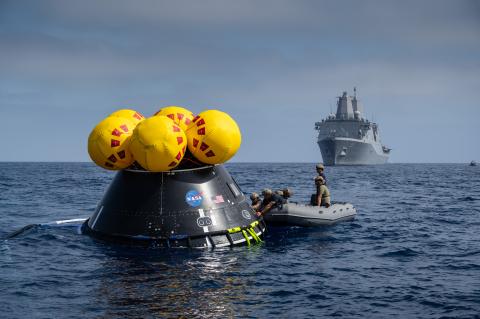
270	200
320	168
256	201
322	196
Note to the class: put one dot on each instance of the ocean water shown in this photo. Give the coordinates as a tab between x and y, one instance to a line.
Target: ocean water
412	252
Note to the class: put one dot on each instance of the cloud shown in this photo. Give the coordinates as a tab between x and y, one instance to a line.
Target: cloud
275	65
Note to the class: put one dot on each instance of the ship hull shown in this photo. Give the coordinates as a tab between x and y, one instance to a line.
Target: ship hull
348	151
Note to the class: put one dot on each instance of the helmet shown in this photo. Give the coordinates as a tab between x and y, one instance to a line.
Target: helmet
254	196
287	192
320	166
267	191
319	179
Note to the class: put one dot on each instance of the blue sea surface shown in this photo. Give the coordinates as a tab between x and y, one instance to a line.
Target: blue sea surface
412	252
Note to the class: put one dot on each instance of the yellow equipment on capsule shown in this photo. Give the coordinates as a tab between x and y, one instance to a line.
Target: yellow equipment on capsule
213	137
158	144
108	143
129	114
181	116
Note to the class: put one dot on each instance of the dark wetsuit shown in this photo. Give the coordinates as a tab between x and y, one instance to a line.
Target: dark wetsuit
279	200
256	203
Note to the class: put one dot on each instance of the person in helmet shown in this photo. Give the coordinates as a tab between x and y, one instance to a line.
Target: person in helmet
256	201
287	193
320	171
270	200
322	196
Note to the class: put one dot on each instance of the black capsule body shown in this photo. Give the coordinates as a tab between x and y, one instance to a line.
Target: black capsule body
201	207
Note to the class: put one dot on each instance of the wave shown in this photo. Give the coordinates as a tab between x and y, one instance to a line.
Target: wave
468	199
404	252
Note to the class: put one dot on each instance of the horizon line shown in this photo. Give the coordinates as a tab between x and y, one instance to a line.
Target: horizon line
260	162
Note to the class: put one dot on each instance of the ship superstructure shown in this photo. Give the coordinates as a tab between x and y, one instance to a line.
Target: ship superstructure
348	138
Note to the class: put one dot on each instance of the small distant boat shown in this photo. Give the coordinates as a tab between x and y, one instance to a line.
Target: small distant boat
473	163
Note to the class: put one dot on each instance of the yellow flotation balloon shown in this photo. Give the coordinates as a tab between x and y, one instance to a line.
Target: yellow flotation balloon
213	137
181	116
108	143
158	144
133	115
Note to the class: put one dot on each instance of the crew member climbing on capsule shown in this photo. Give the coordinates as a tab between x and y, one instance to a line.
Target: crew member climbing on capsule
322	196
286	193
270	200
256	201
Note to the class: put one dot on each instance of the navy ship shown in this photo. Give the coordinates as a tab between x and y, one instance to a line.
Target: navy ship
348	138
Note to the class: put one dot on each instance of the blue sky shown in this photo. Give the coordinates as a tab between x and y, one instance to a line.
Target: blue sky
275	66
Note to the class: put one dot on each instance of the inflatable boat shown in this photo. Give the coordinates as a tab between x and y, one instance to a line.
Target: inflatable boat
294	214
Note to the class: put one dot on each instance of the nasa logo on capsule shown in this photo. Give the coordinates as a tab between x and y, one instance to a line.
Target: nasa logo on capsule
246	214
194	198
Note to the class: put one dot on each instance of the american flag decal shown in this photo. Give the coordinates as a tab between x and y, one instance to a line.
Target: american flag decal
218	199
